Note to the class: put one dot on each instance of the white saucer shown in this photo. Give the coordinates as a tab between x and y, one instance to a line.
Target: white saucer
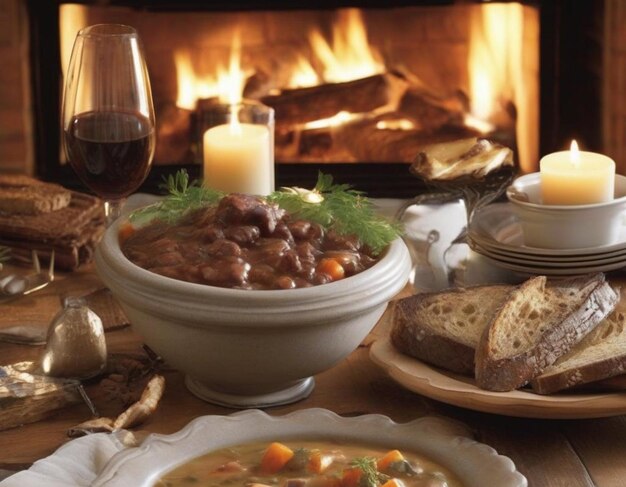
497	228
572	270
549	262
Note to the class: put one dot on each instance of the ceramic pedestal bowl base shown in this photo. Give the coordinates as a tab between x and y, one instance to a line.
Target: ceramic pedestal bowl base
297	391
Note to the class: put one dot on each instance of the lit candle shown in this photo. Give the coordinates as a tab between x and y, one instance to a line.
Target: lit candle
238	158
576	178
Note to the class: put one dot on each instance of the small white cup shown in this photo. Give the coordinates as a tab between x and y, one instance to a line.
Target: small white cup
566	226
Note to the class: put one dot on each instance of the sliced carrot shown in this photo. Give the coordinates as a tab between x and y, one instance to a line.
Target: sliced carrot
275	457
318	461
331	268
392	456
125	231
351	477
393	483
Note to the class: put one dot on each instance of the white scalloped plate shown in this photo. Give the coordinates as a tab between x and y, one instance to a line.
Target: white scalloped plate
462	391
443	441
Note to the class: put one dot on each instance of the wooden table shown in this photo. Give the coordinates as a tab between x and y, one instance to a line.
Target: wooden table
552	453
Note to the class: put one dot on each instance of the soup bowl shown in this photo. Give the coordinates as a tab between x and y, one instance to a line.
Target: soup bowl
251	348
447	443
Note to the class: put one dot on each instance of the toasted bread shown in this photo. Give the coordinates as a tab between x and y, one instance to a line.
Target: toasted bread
600	355
22	195
444	328
538	324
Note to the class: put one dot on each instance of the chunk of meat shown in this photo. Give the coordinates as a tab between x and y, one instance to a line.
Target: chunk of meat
240	209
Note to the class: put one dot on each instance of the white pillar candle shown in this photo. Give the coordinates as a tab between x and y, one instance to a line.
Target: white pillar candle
576	177
238	158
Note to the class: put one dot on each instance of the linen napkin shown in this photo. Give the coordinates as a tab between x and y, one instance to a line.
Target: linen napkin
75	464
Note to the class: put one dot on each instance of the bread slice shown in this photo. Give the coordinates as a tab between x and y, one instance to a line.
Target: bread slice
22	195
600	355
538	324
444	328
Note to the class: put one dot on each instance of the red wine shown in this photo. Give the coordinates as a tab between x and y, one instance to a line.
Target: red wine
110	151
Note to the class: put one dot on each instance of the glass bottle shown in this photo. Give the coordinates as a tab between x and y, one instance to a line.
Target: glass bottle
76	346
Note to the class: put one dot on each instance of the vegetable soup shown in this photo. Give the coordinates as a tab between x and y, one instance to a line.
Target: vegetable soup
309	464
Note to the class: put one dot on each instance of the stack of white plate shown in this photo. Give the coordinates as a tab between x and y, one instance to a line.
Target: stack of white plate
496	233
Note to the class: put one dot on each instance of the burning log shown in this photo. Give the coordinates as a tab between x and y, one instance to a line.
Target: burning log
368	143
321	145
302	105
173	135
430	112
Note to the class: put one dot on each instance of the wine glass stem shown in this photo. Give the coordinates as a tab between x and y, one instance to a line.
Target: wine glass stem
112	210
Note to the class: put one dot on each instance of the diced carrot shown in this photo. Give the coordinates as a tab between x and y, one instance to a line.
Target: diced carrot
392	456
393	483
331	268
125	231
275	457
351	477
318	462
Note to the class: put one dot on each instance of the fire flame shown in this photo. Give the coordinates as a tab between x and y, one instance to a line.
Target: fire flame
350	57
497	45
303	74
226	84
338	119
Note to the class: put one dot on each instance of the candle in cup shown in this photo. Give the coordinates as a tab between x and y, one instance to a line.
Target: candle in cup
576	177
238	158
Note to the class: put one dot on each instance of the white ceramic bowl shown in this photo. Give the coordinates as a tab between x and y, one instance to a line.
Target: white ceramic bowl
445	442
566	226
247	348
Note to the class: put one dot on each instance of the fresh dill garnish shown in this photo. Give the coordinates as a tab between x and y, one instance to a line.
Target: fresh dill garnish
370	476
334	206
341	208
182	196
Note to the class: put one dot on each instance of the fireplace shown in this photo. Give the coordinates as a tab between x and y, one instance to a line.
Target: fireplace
424	72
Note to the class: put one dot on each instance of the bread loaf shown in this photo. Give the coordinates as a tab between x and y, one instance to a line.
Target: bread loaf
444	328
600	355
538	324
22	195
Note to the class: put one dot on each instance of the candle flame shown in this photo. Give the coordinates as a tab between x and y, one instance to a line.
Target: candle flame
234	83
574	153
235	126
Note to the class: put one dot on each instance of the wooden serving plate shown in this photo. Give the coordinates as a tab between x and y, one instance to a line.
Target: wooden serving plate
458	390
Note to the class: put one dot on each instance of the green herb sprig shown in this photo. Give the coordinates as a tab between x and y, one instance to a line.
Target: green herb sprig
370	477
341	208
182	196
334	206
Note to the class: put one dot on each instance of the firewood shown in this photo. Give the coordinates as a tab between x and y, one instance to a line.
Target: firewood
173	135
430	112
302	105
367	143
322	145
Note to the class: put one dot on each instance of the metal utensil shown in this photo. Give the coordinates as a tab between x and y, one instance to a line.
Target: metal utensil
15	285
24	334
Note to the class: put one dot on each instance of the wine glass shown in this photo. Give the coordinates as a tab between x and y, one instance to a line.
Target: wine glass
108	117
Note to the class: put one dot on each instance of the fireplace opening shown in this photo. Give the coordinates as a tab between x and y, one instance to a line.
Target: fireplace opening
357	92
